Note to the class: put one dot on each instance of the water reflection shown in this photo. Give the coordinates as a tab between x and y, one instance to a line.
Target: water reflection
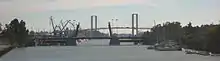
98	50
101	42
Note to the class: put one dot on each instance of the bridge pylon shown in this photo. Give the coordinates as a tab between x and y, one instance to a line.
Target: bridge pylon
134	18
93	17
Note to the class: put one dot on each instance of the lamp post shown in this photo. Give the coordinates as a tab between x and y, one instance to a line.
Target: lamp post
116	25
114	20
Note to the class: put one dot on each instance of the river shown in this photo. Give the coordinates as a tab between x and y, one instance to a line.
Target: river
98	50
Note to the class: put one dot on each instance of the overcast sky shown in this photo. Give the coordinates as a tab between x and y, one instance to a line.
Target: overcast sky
37	12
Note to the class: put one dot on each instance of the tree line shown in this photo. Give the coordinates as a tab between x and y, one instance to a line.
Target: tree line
16	33
204	37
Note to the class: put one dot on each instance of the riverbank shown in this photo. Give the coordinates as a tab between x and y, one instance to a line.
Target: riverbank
5	49
204	53
186	51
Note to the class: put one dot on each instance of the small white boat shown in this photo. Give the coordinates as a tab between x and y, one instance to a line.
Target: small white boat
203	53
189	51
150	47
166	49
211	54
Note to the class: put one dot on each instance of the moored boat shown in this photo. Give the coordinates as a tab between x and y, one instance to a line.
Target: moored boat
150	47
167	49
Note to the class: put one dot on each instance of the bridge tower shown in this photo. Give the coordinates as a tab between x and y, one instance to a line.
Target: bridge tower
134	18
93	17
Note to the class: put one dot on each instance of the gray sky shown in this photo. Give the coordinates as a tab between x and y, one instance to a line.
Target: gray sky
37	12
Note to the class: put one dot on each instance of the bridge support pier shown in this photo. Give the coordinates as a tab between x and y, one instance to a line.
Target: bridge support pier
135	43
114	41
71	42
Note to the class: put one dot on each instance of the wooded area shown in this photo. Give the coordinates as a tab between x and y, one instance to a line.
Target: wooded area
16	33
204	37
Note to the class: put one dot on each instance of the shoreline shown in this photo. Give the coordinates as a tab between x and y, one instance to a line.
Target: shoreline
5	50
198	52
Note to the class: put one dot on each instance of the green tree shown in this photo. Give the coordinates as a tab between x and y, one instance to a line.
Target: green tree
22	33
148	39
31	32
196	37
167	31
16	32
214	40
156	33
1	27
204	37
188	35
173	31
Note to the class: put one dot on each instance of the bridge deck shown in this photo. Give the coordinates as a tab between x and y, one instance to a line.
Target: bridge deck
64	38
132	40
63	41
119	28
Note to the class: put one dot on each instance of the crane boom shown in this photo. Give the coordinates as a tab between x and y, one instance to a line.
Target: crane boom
61	22
65	24
72	24
52	23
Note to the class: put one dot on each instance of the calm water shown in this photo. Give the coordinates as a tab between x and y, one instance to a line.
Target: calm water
98	50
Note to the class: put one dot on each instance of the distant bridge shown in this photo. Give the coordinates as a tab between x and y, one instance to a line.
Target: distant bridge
119	28
72	40
64	38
